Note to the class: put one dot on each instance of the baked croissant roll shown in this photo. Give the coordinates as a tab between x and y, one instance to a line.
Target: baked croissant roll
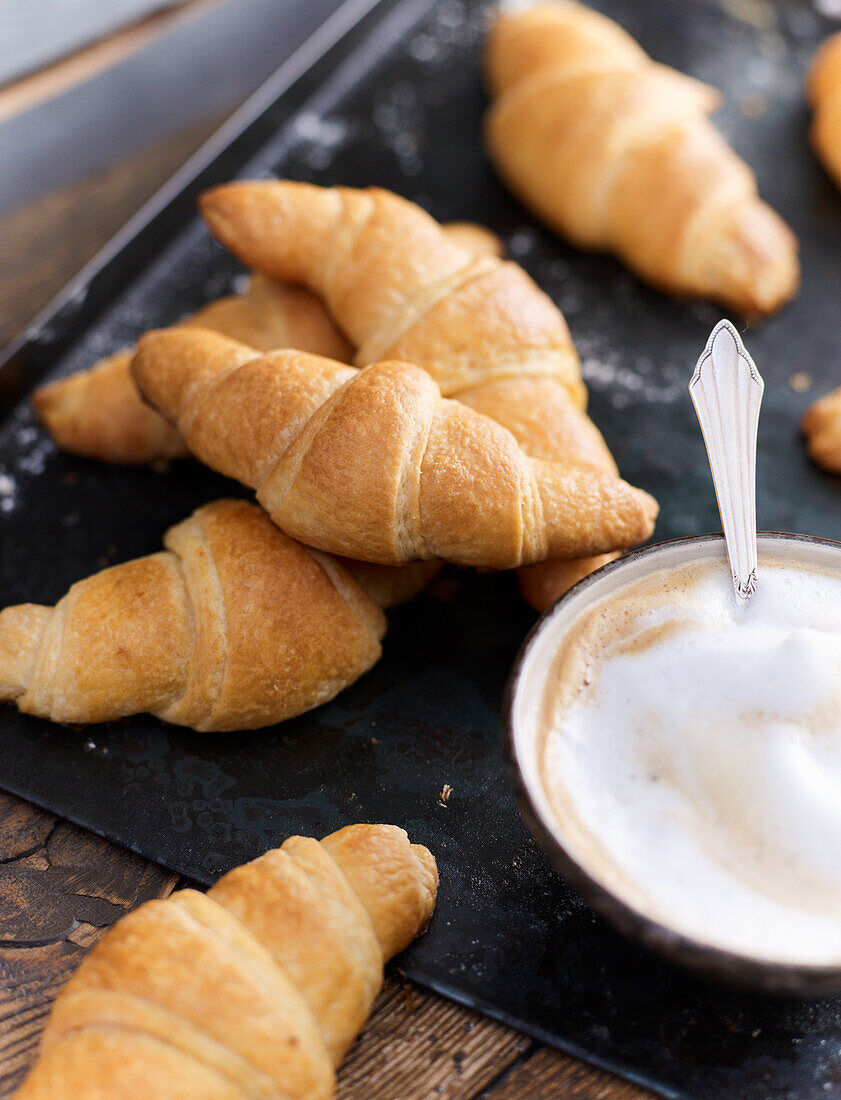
617	154
823	88
233	626
98	413
375	464
540	585
821	425
255	989
400	288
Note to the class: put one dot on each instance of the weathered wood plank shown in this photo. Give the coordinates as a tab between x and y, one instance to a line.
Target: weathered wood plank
417	1045
45	244
547	1075
60	888
23	830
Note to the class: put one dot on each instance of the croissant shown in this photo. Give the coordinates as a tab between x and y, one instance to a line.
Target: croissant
617	154
540	585
98	413
475	238
374	463
402	289
823	88
821	425
255	989
392	585
233	626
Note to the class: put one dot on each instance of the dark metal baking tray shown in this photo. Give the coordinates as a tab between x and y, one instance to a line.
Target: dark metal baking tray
392	95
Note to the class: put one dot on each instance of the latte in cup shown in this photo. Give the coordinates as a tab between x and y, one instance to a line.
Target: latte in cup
688	751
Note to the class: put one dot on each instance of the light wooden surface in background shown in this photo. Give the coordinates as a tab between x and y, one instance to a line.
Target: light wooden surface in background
61	887
139	22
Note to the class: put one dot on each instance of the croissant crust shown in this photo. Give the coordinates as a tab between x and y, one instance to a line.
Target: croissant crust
400	288
255	989
374	463
823	88
617	154
233	626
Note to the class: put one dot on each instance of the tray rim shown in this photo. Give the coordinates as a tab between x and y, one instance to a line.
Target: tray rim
73	310
73	305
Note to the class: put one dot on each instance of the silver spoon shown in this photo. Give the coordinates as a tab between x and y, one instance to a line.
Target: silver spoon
726	390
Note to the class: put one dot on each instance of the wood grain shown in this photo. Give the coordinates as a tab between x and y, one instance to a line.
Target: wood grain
61	887
548	1074
419	1045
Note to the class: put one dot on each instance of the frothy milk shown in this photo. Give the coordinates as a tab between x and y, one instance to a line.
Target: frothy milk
690	751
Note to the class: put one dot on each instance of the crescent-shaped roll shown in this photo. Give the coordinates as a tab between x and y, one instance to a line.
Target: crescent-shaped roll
255	989
617	154
98	413
542	584
821	425
401	288
823	87
398	286
392	585
233	626
374	463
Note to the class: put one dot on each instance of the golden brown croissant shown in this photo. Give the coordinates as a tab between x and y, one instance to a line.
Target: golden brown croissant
542	584
392	585
617	153
99	414
401	288
821	424
374	463
234	626
255	989
823	88
477	239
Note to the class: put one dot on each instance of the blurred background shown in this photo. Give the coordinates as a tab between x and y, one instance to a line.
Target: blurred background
101	101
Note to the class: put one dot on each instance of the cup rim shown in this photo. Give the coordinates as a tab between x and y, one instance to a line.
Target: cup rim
746	971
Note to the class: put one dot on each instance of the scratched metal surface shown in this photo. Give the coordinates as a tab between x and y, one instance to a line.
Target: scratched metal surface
401	107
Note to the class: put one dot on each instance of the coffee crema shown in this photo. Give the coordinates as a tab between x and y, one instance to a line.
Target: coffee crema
689	750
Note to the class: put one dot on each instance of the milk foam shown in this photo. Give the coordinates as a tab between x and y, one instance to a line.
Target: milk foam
691	751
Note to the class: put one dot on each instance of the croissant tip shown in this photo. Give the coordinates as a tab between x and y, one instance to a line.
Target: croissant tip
216	206
57	406
45	400
824	449
821	412
212	195
773	294
427	861
756	262
649	510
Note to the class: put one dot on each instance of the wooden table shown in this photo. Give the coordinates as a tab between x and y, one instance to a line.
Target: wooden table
61	887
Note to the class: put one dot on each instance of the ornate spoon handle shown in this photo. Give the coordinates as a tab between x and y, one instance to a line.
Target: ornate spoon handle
726	390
